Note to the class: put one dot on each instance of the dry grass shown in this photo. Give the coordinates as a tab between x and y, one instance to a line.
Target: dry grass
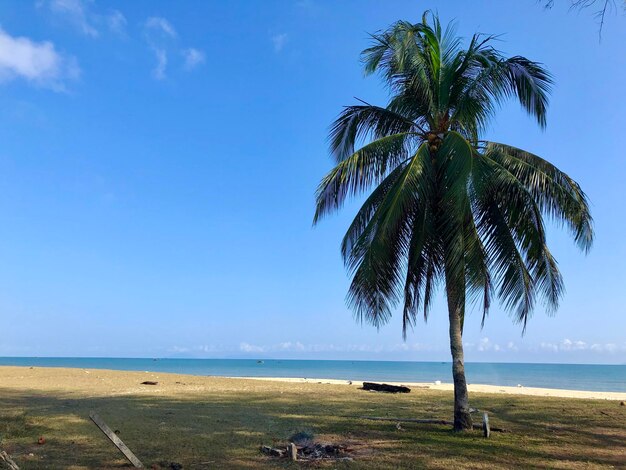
220	423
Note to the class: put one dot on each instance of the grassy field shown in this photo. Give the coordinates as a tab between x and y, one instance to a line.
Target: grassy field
205	422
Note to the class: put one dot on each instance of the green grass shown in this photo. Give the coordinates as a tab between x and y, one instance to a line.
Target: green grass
222	423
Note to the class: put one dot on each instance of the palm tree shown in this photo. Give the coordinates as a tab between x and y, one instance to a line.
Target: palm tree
445	207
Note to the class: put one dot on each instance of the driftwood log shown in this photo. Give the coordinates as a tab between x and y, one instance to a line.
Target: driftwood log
425	421
371	386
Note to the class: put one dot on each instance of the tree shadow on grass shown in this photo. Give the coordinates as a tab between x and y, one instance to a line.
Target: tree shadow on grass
225	429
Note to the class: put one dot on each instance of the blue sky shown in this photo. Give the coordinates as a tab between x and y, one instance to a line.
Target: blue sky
158	162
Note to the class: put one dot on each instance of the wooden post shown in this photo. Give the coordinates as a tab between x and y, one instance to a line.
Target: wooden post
292	450
486	428
115	440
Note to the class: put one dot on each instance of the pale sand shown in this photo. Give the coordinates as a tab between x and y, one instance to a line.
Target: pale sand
472	388
112	382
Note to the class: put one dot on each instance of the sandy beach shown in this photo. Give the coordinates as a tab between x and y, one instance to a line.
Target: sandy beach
102	380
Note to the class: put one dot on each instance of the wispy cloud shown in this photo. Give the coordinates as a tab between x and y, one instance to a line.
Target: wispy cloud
38	63
116	22
193	58
161	26
279	41
308	7
162	39
75	12
82	15
159	32
159	70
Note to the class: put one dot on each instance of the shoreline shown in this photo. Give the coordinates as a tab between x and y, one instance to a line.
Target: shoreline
8	374
472	388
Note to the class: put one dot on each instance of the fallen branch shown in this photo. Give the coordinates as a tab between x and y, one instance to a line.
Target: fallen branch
7	462
442	422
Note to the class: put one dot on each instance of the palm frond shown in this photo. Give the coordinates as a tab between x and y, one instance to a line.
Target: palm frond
531	83
358	122
515	207
376	256
555	192
364	168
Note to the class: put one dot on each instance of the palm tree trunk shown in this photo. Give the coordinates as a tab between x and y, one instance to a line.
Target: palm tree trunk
456	312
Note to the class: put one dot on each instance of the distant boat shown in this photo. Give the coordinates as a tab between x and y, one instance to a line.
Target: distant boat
260	362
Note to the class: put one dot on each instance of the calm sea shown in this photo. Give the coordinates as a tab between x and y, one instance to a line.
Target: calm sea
606	378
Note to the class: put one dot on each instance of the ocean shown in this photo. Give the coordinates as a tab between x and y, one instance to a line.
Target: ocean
602	378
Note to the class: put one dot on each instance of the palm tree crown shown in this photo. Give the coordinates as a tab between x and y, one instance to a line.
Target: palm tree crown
445	206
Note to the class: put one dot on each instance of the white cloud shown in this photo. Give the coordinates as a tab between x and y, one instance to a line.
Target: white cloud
568	345
607	347
159	70
75	11
410	347
279	41
193	58
81	15
246	347
297	346
116	22
289	346
549	346
194	350
162	38
37	62
485	344
309	7
161	25
159	33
